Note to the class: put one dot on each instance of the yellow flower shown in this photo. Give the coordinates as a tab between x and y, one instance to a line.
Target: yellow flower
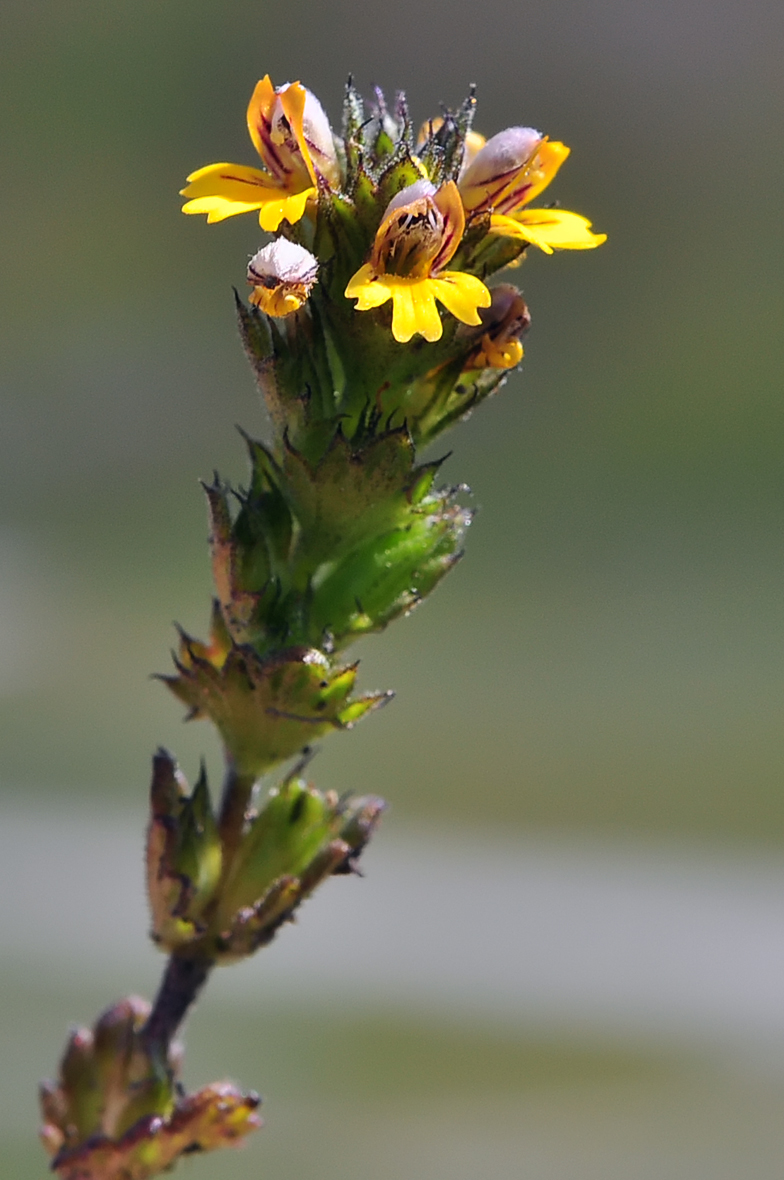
505	322
291	133
282	275
420	231
510	171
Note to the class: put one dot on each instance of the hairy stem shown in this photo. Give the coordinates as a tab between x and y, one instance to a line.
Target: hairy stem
182	981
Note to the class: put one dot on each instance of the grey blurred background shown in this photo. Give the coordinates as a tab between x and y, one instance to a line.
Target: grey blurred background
567	959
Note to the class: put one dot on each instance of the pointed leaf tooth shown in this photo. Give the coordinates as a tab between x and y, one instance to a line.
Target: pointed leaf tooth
353	110
220	636
217	494
402	118
182	688
199	663
79	1080
263	529
452	134
423	481
339	685
365	704
353	138
361	817
54	1108
190	649
168	786
182	855
200	803
467	110
221	542
257	339
201	849
266	473
255	331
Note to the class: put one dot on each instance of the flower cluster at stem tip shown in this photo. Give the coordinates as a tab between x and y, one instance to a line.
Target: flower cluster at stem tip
418	204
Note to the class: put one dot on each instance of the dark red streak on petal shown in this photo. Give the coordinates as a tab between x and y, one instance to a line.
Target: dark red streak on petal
241	180
514	198
445	252
271	157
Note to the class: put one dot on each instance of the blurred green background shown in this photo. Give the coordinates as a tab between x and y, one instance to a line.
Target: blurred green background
607	661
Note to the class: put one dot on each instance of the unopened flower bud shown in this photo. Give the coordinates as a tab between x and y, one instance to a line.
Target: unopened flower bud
282	275
505	321
79	1086
107	1083
502	172
128	1083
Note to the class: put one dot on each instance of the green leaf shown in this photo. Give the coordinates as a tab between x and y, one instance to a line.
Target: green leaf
268	709
353	493
388	576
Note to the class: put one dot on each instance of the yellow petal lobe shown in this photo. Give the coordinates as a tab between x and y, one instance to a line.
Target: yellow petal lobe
461	294
259	115
413	300
292	99
494	356
549	159
277	302
281	207
369	289
218	209
414	310
549	229
223	190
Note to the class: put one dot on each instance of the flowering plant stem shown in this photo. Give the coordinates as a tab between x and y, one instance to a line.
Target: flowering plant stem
370	329
182	981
